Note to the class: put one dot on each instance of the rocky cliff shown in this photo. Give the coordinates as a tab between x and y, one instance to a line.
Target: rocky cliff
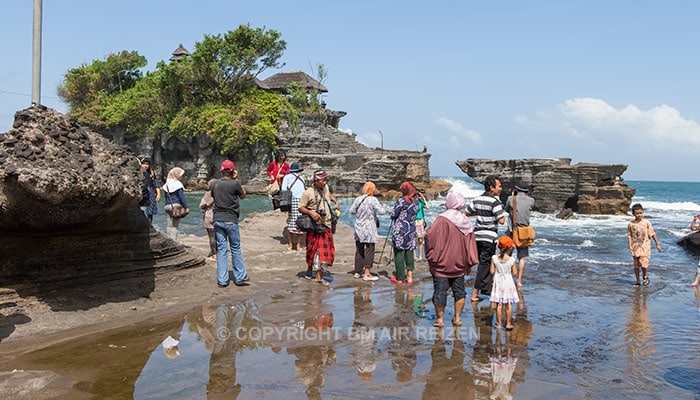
69	208
316	142
557	185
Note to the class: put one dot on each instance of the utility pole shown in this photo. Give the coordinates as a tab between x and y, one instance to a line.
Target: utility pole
382	136
36	54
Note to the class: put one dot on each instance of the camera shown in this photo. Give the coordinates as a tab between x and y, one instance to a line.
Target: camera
321	212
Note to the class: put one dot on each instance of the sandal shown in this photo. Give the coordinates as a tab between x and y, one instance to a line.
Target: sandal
646	281
478	299
509	328
396	281
323	282
497	327
456	322
438	324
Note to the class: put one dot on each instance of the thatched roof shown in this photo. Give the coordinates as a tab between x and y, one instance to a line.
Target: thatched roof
279	82
179	53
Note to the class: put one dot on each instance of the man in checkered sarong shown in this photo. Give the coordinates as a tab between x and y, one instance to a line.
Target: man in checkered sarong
315	202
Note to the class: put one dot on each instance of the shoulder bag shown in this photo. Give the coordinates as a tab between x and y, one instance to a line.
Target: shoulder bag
283	199
274	188
523	236
175	210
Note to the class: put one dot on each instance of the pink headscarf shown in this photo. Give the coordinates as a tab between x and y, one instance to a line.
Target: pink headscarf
455	203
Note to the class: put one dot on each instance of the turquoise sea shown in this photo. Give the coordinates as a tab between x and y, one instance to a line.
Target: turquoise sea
582	330
668	205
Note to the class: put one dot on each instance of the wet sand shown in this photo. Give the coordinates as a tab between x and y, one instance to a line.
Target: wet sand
580	332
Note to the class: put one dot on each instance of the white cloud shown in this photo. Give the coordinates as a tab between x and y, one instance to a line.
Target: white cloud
459	132
601	124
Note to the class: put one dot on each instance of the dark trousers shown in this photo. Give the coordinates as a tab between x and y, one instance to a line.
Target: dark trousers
364	256
440	286
484	279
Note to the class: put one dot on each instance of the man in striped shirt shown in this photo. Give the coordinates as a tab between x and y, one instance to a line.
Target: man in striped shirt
488	210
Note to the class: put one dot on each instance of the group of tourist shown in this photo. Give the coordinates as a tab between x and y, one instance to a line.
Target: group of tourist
452	244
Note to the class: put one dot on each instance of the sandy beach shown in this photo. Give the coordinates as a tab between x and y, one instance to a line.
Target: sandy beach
30	322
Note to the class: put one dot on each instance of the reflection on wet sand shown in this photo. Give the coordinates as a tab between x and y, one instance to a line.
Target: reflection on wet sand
312	361
503	364
222	363
364	339
448	377
401	349
639	339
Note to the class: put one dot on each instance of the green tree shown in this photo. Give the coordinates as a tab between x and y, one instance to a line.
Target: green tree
209	93
87	83
225	64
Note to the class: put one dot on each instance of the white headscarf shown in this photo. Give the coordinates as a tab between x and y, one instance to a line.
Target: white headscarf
173	184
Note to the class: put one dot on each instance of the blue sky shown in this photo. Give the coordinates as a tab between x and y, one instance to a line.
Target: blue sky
594	81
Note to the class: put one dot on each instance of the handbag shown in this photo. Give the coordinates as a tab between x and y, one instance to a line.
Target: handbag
523	236
173	209
274	188
305	223
283	199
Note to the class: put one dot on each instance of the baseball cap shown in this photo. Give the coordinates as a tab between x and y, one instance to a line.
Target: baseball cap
227	165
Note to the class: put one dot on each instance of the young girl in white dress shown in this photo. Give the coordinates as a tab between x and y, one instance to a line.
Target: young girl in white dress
503	267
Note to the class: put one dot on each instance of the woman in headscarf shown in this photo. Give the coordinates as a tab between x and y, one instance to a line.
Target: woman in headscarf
174	194
403	233
366	207
207	207
450	249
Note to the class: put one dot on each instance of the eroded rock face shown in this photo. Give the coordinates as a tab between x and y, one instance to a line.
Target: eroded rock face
69	206
557	185
316	143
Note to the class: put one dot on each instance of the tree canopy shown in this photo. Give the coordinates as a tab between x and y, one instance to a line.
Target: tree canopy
210	92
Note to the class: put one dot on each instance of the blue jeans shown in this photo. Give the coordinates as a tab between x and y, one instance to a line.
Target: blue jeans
228	233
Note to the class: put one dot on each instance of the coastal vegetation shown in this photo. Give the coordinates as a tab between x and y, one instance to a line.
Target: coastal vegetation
211	91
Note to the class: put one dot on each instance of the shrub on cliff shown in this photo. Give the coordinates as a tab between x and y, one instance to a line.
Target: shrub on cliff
210	92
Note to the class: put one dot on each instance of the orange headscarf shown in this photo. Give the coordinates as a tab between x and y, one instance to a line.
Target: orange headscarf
408	191
369	188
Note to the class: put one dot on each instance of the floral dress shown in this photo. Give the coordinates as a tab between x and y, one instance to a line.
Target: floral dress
403	231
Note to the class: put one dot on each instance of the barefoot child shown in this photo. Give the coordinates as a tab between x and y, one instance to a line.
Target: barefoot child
695	227
639	235
503	292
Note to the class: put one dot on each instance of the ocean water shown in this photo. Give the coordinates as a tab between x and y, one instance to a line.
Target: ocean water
668	205
582	330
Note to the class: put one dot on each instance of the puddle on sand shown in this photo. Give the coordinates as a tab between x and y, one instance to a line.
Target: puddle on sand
375	340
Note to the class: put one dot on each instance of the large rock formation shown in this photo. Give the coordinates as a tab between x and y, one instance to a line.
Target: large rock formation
69	208
557	185
316	142
691	242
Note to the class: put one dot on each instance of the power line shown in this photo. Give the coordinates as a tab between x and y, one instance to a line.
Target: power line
24	94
